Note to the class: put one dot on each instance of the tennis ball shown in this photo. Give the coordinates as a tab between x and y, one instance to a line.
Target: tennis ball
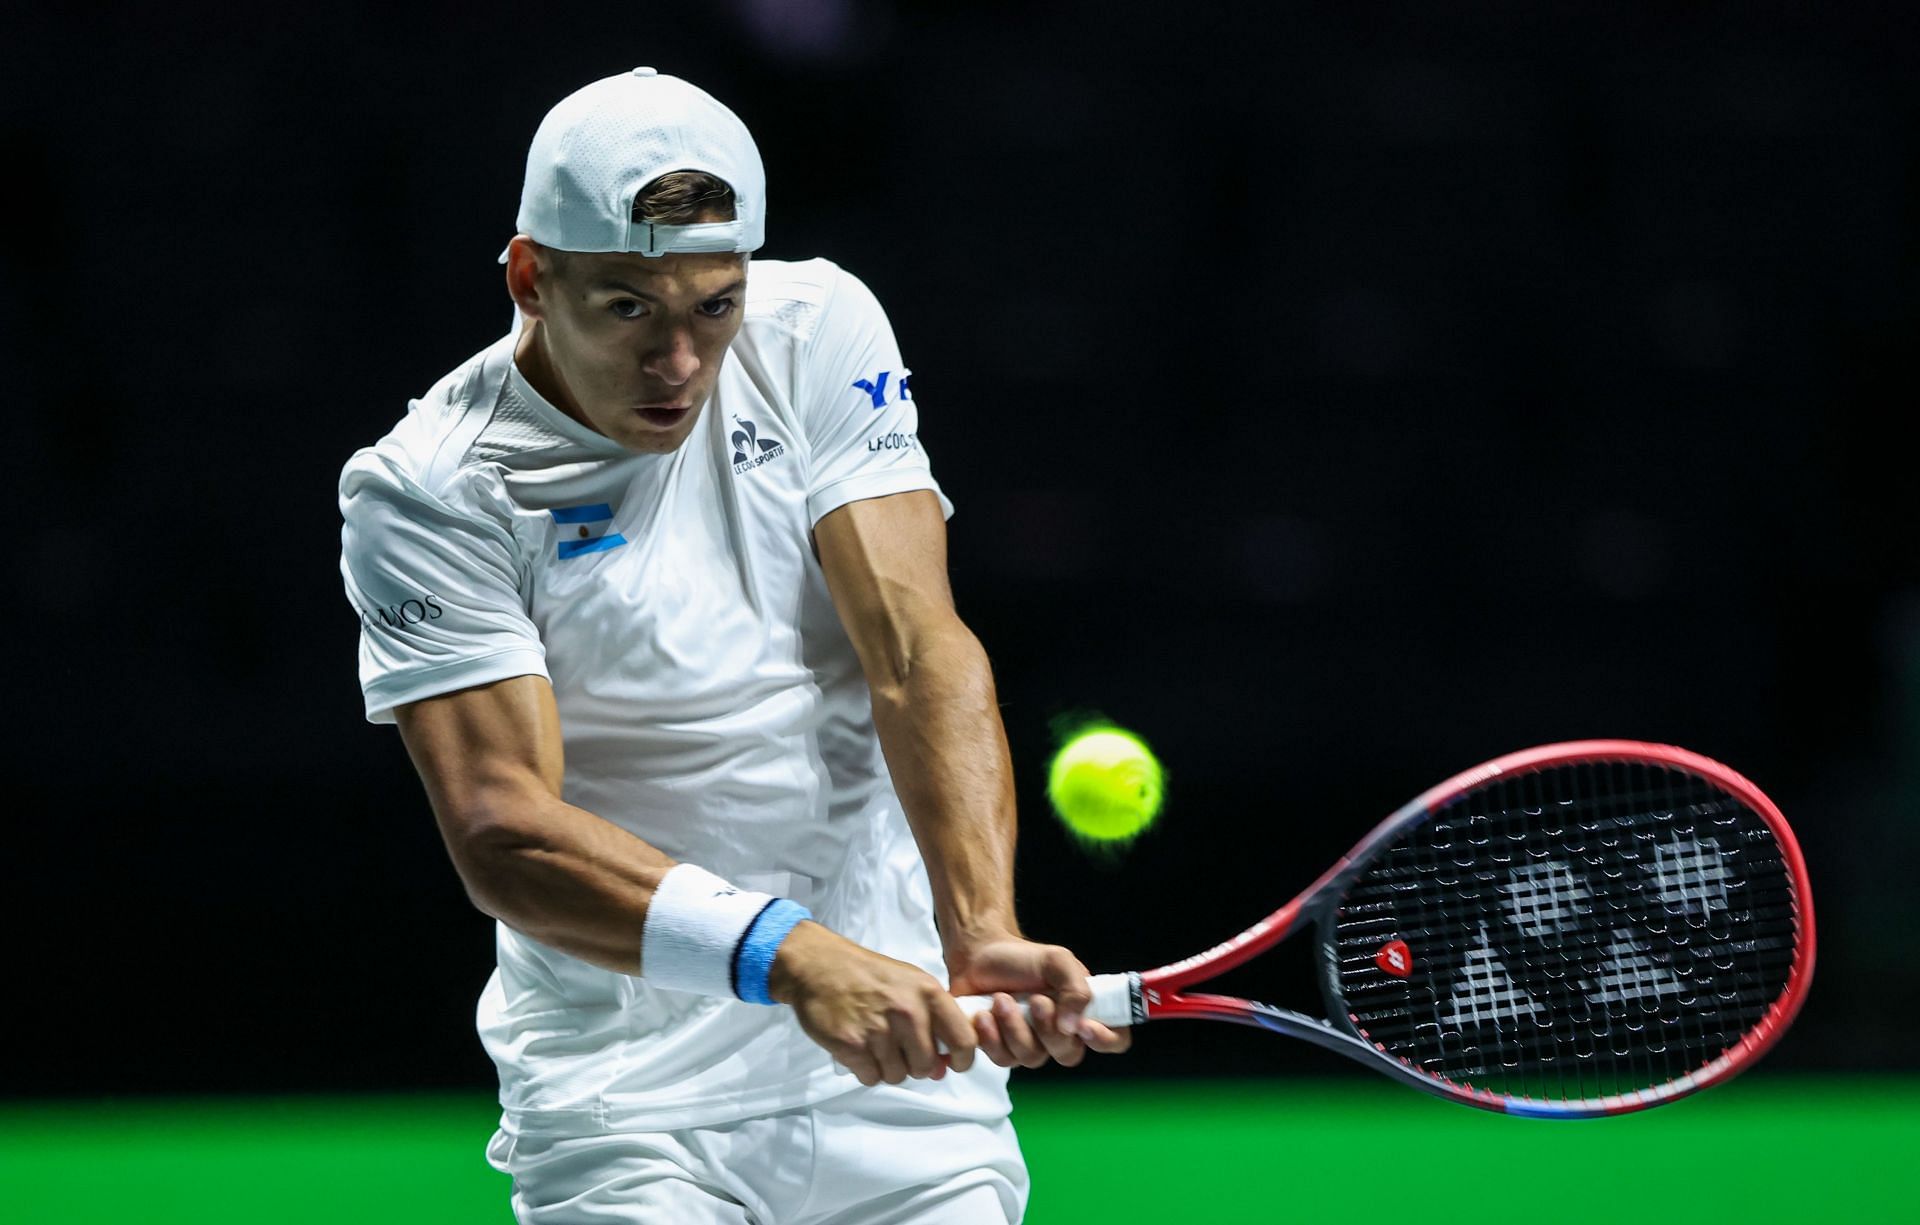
1105	784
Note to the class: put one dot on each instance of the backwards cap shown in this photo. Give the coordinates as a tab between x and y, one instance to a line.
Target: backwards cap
603	143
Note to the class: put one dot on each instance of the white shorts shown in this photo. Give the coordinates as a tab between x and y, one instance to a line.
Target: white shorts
891	1153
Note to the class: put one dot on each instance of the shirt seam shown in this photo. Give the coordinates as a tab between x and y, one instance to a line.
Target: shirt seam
804	348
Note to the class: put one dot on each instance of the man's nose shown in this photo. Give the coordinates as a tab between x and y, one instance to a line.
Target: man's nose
675	361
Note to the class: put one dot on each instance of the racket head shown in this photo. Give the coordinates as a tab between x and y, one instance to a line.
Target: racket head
1574	930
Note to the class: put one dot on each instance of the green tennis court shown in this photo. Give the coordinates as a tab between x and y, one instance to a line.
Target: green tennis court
1768	1148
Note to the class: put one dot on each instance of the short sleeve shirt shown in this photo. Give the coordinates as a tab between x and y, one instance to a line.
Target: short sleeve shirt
710	701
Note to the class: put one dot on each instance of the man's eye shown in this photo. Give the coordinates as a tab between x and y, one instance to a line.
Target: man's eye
719	308
626	308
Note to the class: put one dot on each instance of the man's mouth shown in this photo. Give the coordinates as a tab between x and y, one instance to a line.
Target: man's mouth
665	415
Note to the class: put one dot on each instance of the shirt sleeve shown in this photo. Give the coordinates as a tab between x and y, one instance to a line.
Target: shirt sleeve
857	407
437	592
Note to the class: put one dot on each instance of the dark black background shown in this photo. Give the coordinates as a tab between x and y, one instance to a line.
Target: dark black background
1338	394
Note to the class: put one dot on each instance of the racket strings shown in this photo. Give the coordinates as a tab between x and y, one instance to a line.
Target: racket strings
1576	933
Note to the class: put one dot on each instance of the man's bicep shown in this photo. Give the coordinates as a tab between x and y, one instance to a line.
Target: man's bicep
484	750
885	561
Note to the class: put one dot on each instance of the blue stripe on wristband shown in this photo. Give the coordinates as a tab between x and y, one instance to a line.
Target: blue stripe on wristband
753	960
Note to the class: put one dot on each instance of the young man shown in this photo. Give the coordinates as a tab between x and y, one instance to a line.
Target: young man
655	588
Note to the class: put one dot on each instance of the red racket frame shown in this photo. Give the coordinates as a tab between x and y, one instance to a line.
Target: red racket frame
1158	994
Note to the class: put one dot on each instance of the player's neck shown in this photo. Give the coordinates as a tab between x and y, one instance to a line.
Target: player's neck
536	366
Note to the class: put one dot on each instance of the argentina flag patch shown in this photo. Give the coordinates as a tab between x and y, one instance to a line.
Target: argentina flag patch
583	529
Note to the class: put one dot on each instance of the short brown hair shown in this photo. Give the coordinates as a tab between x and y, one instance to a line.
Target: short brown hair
684	197
678	197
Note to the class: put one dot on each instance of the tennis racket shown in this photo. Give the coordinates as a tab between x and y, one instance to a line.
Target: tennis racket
1569	931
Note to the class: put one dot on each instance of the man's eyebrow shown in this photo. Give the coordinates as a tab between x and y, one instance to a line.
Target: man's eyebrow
606	283
623	287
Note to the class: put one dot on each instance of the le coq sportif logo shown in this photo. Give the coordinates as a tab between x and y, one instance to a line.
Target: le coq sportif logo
750	450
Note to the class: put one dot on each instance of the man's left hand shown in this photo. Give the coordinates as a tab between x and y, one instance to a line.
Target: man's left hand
1057	992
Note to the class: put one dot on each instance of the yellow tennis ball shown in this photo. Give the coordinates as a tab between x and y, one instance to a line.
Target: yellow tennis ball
1105	784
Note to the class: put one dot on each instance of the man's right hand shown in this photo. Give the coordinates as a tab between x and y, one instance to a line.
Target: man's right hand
879	1018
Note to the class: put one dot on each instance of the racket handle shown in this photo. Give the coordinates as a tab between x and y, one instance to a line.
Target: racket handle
1112	1006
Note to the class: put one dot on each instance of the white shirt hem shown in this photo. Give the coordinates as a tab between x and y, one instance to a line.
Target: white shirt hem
829	498
980	1094
416	684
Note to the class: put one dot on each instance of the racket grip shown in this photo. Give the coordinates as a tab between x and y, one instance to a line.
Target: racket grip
1112	1006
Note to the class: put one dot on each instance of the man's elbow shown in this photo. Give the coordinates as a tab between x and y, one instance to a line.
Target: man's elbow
948	662
487	842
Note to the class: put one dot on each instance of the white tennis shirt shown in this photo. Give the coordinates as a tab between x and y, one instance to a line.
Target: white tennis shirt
710	700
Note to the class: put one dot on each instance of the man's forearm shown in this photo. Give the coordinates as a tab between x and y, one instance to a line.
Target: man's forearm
569	879
490	758
939	724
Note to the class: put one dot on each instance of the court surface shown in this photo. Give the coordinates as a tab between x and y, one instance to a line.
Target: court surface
1764	1149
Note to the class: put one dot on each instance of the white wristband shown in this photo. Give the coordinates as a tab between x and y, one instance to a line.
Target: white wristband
694	926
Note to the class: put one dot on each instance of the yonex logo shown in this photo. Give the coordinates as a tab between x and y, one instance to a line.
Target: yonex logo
876	387
750	450
1395	958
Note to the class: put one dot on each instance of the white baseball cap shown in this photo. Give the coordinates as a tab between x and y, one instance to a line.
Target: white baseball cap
601	144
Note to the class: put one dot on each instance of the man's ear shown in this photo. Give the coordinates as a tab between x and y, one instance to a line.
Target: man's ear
529	276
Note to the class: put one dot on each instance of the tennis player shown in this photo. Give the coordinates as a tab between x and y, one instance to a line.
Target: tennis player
655	589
